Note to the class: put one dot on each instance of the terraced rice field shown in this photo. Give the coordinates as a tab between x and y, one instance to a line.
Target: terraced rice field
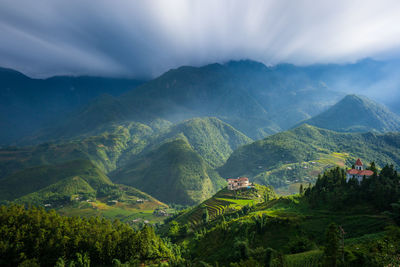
215	207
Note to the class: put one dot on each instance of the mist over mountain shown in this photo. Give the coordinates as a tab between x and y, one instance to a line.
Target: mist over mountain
255	99
357	114
200	133
27	105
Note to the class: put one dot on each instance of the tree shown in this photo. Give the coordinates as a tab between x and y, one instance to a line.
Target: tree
205	217
266	197
331	251
183	230
173	230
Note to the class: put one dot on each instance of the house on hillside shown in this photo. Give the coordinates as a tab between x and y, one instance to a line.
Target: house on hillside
358	172
241	182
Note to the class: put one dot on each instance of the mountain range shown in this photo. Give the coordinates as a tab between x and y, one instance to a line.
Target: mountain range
27	104
177	136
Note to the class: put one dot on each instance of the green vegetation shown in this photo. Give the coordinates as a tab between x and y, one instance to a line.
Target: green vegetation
30	180
224	201
255	99
301	230
213	139
107	148
33	235
357	114
304	152
332	189
79	188
174	172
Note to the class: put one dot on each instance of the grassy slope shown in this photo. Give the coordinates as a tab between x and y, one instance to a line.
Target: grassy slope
107	148
213	139
283	221
357	114
68	186
253	98
224	201
33	179
311	147
173	173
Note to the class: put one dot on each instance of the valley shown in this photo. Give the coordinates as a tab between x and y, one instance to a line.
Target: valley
160	154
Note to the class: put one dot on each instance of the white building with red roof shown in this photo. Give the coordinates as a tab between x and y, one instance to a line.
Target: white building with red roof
358	172
241	182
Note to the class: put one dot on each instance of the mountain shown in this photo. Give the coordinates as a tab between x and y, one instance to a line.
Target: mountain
213	139
78	188
36	178
255	99
108	148
357	114
184	153
300	154
27	105
173	173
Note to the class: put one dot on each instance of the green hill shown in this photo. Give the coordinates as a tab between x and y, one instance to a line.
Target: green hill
107	147
300	154
240	228
224	201
173	173
255	99
208	143
79	188
60	192
213	139
357	114
36	178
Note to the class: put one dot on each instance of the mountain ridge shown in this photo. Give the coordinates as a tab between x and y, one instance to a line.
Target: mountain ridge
356	114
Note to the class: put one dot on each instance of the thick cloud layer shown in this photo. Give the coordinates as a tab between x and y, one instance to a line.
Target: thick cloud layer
147	37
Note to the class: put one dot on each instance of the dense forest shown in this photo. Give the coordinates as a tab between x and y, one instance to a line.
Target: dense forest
35	237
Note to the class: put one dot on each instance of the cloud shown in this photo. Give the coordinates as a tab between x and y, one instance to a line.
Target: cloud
147	37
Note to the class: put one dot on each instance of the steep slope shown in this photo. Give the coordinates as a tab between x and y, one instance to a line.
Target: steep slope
357	114
107	147
36	178
298	152
173	173
27	104
255	99
213	139
79	188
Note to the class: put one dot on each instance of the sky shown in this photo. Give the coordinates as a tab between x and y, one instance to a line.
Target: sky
144	38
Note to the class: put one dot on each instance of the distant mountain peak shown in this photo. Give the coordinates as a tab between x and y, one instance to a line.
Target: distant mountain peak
355	113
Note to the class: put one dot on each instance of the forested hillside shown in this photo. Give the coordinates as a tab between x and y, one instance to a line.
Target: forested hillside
306	151
33	237
334	223
27	105
255	99
213	139
357	114
174	173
